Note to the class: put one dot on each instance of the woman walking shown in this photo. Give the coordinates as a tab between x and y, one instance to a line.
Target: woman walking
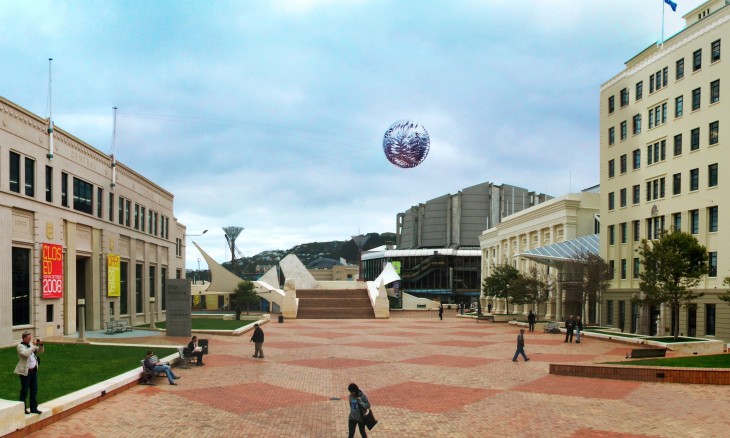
358	403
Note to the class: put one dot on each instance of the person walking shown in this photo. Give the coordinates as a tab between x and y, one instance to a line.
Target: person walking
520	347
358	402
27	370
489	308
531	320
569	326
578	328
441	312
258	341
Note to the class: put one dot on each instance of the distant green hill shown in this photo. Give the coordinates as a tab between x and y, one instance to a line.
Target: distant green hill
307	252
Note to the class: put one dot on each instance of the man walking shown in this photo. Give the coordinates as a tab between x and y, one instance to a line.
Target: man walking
520	347
531	320
27	370
569	326
441	312
258	341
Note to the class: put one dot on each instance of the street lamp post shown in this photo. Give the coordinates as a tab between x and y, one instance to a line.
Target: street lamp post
152	313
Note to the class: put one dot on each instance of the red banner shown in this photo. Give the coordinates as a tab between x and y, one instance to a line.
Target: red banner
52	270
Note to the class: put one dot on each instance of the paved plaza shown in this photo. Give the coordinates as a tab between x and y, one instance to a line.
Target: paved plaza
424	377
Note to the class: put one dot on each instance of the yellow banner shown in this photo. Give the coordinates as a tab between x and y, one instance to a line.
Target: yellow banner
396	266
113	279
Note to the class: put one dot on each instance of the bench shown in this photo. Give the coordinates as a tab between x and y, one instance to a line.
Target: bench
552	327
148	375
118	326
185	357
485	318
646	352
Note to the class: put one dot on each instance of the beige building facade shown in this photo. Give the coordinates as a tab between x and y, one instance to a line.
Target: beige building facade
70	200
663	142
557	220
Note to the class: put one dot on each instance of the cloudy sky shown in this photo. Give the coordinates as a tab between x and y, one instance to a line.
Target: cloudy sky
270	114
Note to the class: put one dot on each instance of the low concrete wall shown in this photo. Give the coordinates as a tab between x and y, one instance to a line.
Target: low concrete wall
342	284
699	376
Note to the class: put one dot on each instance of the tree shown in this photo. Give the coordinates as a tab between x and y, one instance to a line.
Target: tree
589	276
531	288
726	296
501	283
243	295
672	266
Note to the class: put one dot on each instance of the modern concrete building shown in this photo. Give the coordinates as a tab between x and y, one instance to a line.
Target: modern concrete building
74	229
662	151
559	220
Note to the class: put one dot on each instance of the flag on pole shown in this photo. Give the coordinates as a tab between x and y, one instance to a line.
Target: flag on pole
671	5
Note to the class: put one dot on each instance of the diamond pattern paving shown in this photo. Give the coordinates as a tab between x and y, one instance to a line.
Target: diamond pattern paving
288	345
327	335
444	360
580	387
589	433
332	363
560	358
428	397
458	343
378	345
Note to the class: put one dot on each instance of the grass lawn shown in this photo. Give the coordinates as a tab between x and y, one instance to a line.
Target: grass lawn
670	339
617	334
66	368
711	361
211	324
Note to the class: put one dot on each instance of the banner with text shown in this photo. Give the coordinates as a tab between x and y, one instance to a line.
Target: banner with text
112	271
52	259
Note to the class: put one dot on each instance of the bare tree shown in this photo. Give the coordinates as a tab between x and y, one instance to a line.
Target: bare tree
588	276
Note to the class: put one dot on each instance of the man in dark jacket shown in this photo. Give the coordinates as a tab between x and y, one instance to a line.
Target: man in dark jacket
520	347
195	350
531	320
258	341
569	326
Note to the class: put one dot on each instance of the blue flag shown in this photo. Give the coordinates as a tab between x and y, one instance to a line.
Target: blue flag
671	5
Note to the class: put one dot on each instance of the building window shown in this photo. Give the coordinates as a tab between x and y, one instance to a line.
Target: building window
697	60
715	91
680	69
714	132
21	285
637	124
99	202
665	76
141	218
709	320
636	194
696	97
609	310
678	144
611	234
49	184
623	130
111	207
694	221
654	227
694	142
712	175
29	177
83	194
153	279
651	84
677	184
138	288
678	106
624	229
664	113
150	229
120	211
622	198
624	97
655	189
637	266
136	216
154	222
637	231
127	211
623	269
712	264
123	288
657	152
14	172
163	294
694	180
715	51
610	105
639	89
677	221
611	168
611	201
712	219
611	136
64	189
637	158
623	165
612	269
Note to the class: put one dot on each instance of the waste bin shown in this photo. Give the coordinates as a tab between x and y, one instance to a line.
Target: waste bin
281	319
203	343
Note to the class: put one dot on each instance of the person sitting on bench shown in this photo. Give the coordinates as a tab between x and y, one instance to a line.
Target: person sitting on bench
158	367
194	350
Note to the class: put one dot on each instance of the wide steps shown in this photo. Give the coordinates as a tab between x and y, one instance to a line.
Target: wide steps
334	304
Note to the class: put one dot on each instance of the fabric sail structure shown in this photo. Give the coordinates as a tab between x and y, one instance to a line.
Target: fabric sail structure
387	276
221	279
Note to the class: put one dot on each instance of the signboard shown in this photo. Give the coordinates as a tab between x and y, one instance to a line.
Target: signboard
112	271
179	314
396	266
52	261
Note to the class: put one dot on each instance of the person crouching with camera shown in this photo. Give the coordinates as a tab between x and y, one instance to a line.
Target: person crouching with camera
27	369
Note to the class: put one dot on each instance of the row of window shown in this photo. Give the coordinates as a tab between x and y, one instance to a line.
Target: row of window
656	188
660	79
623	267
85	199
710	318
658	114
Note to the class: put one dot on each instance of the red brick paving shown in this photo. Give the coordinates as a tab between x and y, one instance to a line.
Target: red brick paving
299	390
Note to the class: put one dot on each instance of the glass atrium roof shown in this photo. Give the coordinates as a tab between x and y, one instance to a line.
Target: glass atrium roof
560	252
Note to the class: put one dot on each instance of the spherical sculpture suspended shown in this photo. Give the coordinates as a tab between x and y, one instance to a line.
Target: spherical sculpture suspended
406	143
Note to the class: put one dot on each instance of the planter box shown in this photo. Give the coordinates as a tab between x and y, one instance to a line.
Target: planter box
500	317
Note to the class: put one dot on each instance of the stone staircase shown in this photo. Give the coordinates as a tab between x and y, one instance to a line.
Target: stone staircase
334	304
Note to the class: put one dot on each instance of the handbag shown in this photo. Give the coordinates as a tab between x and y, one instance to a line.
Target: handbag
368	418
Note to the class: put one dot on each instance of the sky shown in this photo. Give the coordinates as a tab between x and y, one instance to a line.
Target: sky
270	115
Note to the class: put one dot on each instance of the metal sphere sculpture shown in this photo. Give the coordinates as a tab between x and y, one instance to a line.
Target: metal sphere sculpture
406	144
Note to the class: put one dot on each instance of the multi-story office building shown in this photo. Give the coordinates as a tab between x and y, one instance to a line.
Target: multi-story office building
74	229
662	152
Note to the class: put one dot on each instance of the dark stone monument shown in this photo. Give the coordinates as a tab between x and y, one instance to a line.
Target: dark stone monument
179	313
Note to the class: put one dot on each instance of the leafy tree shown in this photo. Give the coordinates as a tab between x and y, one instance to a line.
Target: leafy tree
672	266
531	288
243	295
726	296
501	283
